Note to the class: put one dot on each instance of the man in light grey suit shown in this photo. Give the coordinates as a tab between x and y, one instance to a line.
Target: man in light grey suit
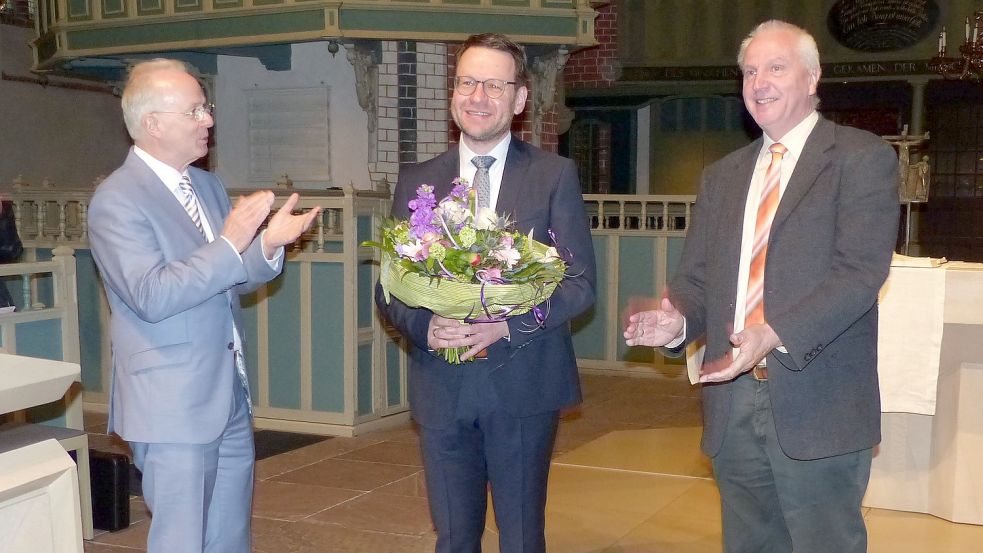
174	256
785	294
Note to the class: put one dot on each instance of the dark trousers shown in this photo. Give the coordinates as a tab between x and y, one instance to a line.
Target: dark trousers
771	503
486	447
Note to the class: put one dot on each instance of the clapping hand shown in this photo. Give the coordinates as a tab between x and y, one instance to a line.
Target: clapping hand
285	227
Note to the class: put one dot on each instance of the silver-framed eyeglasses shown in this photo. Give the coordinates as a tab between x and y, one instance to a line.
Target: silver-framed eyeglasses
494	88
198	113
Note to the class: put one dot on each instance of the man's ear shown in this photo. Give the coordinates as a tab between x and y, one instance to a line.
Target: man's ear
814	81
151	124
520	99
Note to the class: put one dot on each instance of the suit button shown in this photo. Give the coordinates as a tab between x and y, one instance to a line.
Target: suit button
231	346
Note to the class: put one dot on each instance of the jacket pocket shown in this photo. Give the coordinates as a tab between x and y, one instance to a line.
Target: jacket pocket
169	356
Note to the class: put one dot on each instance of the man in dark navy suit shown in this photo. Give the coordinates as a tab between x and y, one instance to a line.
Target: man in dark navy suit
493	420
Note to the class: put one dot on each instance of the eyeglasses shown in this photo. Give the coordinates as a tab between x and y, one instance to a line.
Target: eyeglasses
494	88
198	113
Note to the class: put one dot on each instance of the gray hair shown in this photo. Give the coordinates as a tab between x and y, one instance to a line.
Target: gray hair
807	49
142	94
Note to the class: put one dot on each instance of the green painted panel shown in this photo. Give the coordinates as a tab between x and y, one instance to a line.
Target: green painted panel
180	31
90	331
221	4
328	337
511	3
40	339
636	258
249	331
394	381
15	285
113	8
363	228
569	4
407	21
79	10
150	7
267	2
365	302
590	330
43	339
284	317
185	6
364	379
674	252
334	246
44	282
464	2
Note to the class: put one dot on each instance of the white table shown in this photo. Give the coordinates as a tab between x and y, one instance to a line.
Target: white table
933	463
27	382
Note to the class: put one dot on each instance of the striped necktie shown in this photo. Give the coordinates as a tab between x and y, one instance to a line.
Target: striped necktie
482	182
190	203
754	306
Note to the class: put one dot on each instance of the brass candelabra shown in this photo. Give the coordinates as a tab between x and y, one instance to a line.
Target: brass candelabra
969	65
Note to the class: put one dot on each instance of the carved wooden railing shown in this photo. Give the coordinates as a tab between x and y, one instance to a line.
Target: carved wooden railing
626	213
47	216
640	236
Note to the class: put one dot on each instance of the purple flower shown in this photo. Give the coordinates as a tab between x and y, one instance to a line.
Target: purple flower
423	220
460	190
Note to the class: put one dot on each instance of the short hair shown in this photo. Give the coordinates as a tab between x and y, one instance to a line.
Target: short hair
807	49
140	96
502	43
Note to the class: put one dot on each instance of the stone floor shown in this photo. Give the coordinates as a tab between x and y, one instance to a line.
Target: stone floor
627	477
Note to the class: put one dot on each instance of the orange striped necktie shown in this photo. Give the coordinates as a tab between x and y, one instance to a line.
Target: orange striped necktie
754	307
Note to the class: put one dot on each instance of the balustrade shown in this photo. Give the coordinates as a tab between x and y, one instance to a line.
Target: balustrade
320	358
618	212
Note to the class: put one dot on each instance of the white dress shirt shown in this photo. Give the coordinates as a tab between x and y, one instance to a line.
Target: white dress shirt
794	141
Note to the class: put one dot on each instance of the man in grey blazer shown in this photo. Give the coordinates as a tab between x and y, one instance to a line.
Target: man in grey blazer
492	421
790	395
174	256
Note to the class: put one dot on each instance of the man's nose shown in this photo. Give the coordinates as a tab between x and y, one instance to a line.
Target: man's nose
479	93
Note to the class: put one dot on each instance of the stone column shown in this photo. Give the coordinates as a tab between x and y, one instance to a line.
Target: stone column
545	71
365	59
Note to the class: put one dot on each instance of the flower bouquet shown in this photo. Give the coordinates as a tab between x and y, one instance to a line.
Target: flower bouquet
465	263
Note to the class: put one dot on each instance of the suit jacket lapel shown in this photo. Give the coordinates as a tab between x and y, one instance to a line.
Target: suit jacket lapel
815	157
732	203
161	196
207	205
448	169
513	180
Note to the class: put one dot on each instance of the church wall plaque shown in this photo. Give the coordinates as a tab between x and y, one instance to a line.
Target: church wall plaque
881	25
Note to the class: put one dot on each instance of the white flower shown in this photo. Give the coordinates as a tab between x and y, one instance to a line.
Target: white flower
486	219
550	255
453	212
508	255
412	251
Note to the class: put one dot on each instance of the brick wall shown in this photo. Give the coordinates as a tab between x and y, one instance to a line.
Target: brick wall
597	66
384	162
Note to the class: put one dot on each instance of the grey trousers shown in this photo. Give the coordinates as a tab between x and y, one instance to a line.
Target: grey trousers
771	503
